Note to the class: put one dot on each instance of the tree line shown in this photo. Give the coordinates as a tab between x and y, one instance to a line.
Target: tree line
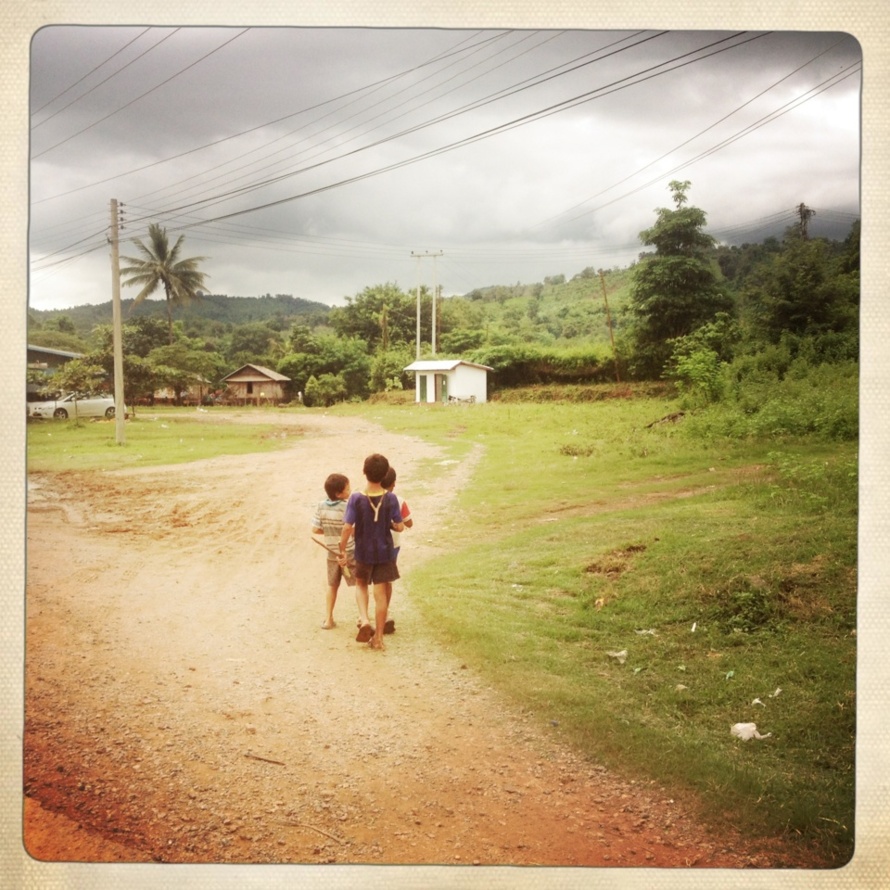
690	311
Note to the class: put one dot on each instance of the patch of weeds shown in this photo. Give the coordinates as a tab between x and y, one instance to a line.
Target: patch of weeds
577	450
746	603
615	563
821	484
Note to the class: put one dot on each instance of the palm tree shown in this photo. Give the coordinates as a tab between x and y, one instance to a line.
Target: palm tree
160	264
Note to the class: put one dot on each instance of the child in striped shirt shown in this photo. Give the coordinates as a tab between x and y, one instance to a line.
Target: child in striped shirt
328	520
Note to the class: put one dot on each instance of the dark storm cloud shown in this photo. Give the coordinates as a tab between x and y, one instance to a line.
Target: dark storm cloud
512	151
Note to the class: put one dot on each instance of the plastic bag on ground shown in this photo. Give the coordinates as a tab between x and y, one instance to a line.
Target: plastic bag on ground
746	731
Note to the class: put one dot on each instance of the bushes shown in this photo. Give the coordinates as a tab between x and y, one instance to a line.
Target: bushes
596	392
324	390
760	400
527	366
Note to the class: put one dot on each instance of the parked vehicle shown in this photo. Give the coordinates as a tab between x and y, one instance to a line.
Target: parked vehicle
75	404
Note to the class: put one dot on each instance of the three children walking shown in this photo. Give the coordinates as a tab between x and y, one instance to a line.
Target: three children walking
364	552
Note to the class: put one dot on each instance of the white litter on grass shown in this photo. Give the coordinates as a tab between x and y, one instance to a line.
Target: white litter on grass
776	693
757	701
620	657
694	625
747	731
643	633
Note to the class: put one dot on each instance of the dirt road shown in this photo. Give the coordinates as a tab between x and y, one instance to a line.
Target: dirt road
183	703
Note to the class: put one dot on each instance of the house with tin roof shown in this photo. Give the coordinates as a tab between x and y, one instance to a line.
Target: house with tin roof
449	380
47	361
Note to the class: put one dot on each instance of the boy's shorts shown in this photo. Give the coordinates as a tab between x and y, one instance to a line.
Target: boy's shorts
335	573
377	573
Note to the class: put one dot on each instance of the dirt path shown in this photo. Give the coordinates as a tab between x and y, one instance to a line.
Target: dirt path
183	703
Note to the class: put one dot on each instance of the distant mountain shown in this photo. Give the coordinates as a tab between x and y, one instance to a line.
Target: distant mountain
210	307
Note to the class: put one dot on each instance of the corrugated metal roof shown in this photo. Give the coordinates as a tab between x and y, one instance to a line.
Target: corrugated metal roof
443	365
48	351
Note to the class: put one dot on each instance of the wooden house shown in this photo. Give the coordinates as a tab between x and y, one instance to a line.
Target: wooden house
47	361
256	385
450	380
196	389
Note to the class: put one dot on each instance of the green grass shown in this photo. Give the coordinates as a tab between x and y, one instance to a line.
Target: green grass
582	528
587	528
150	439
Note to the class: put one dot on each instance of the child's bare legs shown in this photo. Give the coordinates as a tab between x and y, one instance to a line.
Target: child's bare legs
390	625
361	600
382	595
330	602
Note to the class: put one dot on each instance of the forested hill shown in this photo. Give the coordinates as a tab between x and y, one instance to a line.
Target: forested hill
210	307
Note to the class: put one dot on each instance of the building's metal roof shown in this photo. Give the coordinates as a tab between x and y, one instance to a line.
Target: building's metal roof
63	352
443	365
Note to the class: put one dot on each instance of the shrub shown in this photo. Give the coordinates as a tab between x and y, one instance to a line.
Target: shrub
699	375
822	401
325	390
527	366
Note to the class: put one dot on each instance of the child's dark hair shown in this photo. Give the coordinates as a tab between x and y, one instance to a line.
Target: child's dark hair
334	484
389	479
375	468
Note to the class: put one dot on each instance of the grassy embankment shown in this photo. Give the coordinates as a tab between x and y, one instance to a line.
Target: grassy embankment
726	570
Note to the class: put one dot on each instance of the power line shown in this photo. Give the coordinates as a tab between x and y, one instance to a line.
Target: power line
203	223
306	137
471	106
485	134
138	98
176	157
85	76
769	118
623	83
707	129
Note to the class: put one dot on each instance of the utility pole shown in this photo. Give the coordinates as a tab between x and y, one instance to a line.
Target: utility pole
805	213
609	323
420	256
117	330
417	340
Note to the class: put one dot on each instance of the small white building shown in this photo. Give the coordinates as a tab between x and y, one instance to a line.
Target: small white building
449	379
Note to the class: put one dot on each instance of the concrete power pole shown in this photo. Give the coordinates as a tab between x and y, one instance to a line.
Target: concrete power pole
420	256
117	330
417	353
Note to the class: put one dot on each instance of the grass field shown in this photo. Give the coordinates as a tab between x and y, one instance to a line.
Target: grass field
724	571
152	438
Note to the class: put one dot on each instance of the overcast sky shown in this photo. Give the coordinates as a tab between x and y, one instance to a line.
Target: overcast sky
317	162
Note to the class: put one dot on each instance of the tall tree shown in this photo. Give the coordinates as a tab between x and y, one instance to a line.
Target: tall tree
383	315
675	289
161	266
807	290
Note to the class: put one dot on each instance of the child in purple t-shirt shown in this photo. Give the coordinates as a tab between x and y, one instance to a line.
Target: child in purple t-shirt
372	516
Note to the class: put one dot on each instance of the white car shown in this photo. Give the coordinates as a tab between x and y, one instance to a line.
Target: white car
75	405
